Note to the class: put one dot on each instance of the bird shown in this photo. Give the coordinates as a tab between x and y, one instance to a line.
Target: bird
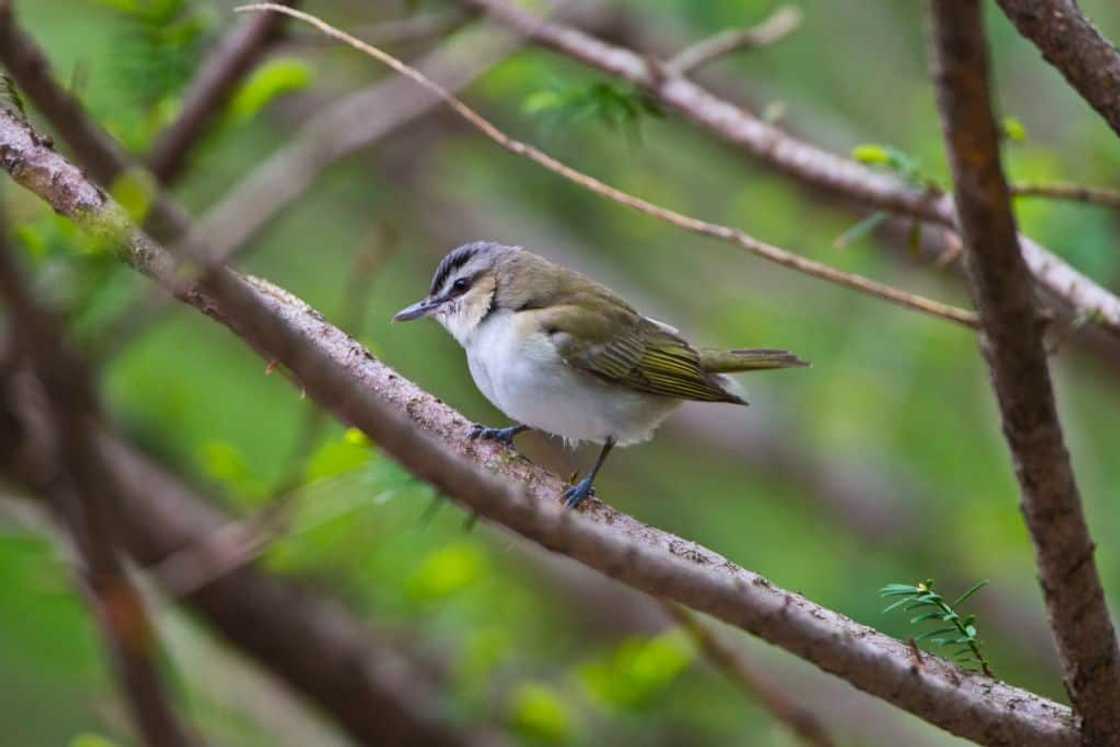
558	352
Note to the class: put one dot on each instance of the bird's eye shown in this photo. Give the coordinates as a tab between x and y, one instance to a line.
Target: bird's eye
460	286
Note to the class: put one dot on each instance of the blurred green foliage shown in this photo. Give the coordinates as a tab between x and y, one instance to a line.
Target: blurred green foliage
638	671
900	400
267	83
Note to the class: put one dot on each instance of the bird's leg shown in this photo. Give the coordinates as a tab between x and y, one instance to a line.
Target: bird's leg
574	495
501	435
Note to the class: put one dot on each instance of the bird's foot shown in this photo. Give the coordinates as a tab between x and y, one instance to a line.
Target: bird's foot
574	495
501	435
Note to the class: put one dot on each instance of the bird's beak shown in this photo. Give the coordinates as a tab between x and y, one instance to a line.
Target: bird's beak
421	308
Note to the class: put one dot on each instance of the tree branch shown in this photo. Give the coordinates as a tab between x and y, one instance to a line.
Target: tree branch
235	55
1071	192
800	160
354	122
431	440
783	22
75	484
685	222
1014	349
1070	42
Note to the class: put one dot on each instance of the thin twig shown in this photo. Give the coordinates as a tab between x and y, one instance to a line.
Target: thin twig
801	160
1013	346
232	59
432	441
1072	192
731	661
688	223
414	28
779	25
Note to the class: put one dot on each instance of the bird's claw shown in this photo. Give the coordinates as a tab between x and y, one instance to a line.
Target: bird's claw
575	495
501	435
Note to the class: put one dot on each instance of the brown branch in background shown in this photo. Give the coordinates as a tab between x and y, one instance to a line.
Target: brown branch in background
672	217
1012	343
372	690
80	496
1071	192
731	661
432	441
220	74
1070	42
414	28
781	23
799	159
355	121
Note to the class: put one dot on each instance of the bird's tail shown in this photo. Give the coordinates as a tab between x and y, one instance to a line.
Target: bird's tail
738	361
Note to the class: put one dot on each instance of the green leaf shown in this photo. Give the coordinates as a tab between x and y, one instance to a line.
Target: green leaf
10	94
872	155
223	462
447	571
1013	129
338	457
615	107
860	230
91	740
895	589
927	616
539	102
639	670
892	159
894	605
931	633
537	712
135	189
269	82
972	590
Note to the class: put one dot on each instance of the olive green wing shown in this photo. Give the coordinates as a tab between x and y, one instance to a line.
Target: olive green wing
620	346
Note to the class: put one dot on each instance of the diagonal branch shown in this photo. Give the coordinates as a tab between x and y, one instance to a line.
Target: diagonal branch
1070	42
803	161
685	222
431	440
783	22
235	55
1014	349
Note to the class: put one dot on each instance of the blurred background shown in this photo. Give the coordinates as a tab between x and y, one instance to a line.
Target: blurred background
882	463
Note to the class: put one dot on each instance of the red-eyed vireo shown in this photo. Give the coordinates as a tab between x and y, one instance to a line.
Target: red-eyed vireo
558	352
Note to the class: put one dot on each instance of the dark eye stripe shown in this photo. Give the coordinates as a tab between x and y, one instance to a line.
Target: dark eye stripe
450	264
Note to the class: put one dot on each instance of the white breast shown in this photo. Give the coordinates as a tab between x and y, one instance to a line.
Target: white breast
522	374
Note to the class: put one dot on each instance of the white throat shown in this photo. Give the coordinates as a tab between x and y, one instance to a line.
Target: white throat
462	317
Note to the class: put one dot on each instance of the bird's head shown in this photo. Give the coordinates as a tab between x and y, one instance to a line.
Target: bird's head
464	288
